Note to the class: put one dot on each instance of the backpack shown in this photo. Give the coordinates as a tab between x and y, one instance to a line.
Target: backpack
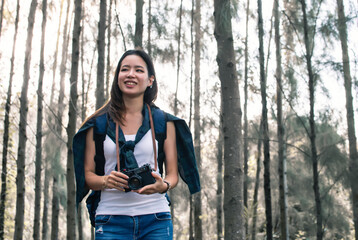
99	135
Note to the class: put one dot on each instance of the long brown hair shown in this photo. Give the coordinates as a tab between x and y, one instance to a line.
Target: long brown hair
115	105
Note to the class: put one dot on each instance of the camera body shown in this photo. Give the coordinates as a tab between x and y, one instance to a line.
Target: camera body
139	177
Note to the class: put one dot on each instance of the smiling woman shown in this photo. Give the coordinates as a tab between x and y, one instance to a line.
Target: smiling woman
133	77
130	140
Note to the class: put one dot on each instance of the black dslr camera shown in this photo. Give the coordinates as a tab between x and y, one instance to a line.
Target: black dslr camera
139	177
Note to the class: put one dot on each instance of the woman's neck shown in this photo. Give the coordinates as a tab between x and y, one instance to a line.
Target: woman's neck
133	105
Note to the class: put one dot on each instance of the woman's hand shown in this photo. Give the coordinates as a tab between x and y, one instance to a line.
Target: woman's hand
158	187
117	180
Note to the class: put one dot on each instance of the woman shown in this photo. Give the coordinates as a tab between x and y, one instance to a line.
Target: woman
123	210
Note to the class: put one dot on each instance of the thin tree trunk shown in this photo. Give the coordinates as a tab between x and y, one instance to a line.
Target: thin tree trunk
246	150
38	160
58	128
6	136
178	58
312	133
191	200
1	14
174	193
257	183
138	36
83	113
71	127
46	199
353	155
101	53
20	178
197	128
267	184
121	30
219	179
109	34
149	42
231	110
54	66
280	130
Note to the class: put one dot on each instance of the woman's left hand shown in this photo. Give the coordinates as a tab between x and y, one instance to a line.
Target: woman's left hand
158	187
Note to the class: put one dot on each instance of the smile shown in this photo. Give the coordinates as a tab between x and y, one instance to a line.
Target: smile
130	83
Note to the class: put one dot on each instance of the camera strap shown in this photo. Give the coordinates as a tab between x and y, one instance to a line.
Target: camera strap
153	139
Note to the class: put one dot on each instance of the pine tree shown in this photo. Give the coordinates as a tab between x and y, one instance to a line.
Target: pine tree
21	153
231	111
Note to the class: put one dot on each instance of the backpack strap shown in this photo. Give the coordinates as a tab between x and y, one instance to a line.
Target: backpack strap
160	125
99	135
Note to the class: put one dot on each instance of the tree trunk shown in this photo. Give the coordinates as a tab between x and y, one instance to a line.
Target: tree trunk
257	183
58	128
174	193
138	36
197	128
54	66
353	155
312	133
265	130
219	179
38	160
101	53
71	127
280	130
231	110
246	150
109	34
149	42
191	198
178	58
20	178
46	200
1	14
7	128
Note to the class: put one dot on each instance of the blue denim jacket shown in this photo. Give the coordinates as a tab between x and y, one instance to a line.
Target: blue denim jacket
187	166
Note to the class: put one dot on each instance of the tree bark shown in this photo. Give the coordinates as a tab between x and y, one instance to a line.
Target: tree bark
265	130
149	41
71	127
219	179
174	193
257	183
101	53
109	35
353	155
6	135
54	66
1	14
191	201
178	58
312	133
197	125
58	128
138	36
20	178
231	110
38	160
280	130
246	150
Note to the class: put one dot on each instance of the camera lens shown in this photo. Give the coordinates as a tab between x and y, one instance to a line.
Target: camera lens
135	182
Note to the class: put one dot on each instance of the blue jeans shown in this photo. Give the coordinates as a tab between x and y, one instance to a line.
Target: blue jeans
156	226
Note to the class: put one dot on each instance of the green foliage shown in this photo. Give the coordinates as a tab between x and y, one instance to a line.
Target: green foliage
333	164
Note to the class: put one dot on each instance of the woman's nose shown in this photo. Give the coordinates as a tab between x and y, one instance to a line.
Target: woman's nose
131	72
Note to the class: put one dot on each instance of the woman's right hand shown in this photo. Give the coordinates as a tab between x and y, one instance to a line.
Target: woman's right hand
117	180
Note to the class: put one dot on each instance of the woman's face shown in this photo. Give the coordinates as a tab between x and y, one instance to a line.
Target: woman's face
133	77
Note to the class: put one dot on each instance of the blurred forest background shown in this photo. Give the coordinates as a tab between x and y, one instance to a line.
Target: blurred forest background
268	88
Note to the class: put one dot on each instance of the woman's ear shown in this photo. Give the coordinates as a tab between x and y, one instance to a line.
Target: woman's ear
151	80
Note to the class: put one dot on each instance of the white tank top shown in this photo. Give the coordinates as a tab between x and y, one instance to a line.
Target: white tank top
115	202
